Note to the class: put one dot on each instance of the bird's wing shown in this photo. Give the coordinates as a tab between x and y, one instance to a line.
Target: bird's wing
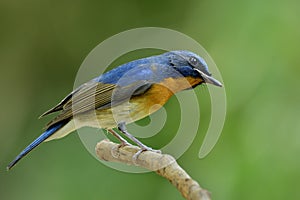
110	90
67	99
95	95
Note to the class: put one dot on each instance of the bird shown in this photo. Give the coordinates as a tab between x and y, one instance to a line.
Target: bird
124	95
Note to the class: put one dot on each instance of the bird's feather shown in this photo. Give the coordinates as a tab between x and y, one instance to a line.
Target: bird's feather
50	131
98	96
102	92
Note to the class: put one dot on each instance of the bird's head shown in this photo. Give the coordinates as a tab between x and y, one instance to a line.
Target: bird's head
190	64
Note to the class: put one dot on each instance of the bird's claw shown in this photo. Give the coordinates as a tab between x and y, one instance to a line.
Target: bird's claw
136	155
115	150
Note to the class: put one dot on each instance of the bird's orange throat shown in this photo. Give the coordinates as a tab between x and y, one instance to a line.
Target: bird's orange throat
178	84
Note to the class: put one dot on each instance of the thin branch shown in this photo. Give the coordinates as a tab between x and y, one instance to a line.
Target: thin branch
163	164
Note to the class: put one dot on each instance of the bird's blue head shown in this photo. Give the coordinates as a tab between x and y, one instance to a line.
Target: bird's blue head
190	64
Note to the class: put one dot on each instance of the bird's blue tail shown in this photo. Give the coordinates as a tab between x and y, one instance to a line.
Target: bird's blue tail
50	131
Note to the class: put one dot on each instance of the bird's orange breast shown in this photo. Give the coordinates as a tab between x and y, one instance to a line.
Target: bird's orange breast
159	93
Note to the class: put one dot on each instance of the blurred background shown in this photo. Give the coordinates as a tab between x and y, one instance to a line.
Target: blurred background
256	46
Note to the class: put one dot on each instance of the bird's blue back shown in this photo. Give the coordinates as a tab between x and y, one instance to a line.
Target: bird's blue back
140	70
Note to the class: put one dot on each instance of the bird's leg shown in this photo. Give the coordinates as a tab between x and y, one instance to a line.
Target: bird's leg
114	151
122	128
122	140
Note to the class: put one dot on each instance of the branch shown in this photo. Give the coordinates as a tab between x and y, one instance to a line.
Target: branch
163	164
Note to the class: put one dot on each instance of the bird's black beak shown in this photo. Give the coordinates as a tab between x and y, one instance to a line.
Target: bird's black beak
209	79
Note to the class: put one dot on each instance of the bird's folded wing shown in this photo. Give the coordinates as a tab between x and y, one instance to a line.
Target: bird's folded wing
95	95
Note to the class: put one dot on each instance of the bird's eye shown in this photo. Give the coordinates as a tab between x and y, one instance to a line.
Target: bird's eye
193	61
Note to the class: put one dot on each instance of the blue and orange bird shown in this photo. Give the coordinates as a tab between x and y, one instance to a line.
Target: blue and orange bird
123	95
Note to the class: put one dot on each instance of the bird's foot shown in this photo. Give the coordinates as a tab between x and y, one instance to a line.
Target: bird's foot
115	151
143	148
122	128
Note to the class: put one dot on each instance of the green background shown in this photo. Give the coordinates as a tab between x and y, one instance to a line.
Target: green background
254	43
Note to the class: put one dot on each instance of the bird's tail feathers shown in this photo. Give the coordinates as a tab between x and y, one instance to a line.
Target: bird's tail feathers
50	131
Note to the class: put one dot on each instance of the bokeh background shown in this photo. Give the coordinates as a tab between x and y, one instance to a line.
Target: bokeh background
256	46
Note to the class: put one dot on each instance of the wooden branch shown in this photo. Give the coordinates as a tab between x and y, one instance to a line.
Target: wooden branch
163	164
